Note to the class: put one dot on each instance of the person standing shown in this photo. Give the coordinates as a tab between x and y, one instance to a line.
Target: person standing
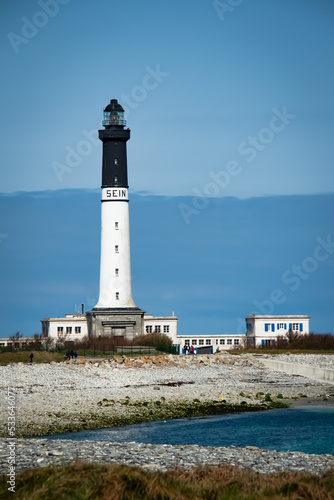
31	357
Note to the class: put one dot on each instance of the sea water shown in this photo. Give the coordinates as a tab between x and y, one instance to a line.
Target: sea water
307	429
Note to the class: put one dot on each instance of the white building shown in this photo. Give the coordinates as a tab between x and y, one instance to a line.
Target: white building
260	331
265	330
71	328
22	342
209	344
161	324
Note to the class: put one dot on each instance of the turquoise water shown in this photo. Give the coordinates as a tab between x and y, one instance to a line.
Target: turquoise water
307	429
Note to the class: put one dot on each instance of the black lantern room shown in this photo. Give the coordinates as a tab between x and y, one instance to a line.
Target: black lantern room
113	115
114	138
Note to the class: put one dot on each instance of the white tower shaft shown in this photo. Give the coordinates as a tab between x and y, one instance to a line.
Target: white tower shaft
115	267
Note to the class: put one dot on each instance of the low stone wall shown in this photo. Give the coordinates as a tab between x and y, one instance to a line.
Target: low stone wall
312	372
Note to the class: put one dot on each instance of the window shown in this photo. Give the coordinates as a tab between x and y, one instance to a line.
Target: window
201	342
208	342
194	342
60	329
229	342
187	342
148	329
117	295
157	329
281	325
295	327
116	248
236	341
68	329
222	341
116	271
216	341
78	329
116	225
166	328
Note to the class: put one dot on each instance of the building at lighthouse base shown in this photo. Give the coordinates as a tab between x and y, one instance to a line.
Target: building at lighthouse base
103	323
111	322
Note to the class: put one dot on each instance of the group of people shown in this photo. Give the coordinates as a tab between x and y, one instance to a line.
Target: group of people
70	354
189	349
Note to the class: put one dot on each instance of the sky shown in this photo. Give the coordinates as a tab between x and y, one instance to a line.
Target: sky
230	104
203	83
268	255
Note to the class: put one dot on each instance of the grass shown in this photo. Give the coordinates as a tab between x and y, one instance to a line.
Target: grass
7	357
23	357
121	482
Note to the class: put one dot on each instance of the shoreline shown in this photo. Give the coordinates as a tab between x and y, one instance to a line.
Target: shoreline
34	453
66	397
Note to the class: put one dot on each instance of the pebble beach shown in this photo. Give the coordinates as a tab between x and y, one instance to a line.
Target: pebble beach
88	394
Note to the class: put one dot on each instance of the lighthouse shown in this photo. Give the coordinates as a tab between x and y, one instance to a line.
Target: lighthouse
115	313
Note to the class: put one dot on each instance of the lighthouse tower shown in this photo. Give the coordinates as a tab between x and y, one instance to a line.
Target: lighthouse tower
115	314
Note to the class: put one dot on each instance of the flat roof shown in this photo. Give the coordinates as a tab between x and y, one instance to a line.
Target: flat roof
278	316
150	316
212	335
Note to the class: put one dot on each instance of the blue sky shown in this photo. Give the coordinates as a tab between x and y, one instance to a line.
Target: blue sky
231	111
228	261
219	72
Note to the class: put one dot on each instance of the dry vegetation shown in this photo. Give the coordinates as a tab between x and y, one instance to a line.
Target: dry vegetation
115	482
294	343
21	356
314	341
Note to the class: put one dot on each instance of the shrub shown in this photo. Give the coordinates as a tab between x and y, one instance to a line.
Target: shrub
158	340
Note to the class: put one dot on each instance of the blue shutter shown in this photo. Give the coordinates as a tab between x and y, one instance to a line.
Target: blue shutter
300	327
277	326
284	326
290	326
262	341
272	327
266	327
